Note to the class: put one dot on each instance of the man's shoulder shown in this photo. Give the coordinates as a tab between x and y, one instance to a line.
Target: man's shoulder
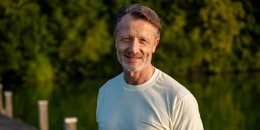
112	82
171	85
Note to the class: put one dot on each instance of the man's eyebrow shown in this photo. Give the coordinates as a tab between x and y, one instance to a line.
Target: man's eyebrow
125	35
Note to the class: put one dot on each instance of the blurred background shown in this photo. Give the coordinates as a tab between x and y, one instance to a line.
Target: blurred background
63	51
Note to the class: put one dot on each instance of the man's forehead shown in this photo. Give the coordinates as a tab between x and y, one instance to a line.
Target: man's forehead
130	26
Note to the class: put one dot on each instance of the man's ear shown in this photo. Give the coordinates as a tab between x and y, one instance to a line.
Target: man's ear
156	42
115	39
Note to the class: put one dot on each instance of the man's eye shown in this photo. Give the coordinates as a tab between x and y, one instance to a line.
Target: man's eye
126	39
143	40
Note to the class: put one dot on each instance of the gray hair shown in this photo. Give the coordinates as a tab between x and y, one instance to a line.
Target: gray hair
139	12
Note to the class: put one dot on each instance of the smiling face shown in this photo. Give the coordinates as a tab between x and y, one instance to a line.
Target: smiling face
136	40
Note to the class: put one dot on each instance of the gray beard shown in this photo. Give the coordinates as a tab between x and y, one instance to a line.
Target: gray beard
128	67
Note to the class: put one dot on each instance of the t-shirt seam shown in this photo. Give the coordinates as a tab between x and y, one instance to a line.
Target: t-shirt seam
146	87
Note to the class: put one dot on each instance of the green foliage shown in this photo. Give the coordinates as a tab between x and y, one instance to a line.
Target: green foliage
202	36
23	36
222	24
52	39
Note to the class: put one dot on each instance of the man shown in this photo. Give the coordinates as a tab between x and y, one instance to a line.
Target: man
142	97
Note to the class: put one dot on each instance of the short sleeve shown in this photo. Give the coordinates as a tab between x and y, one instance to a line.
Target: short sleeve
186	114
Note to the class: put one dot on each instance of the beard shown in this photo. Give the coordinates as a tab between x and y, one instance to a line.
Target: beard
132	67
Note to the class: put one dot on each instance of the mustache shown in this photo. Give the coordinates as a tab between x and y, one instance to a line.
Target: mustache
131	54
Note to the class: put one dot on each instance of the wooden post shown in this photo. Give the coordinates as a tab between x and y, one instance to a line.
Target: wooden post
8	104
71	123
43	114
1	99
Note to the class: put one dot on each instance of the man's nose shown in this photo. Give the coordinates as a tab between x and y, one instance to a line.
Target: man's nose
134	46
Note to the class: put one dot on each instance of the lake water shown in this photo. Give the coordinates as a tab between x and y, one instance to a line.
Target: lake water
226	102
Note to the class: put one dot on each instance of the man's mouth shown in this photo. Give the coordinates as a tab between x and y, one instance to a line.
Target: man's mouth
133	58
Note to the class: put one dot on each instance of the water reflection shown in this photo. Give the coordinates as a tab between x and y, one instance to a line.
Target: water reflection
227	102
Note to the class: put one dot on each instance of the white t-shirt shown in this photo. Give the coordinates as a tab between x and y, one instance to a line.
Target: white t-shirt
161	103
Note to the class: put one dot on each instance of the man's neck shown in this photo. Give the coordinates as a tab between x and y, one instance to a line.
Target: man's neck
136	78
